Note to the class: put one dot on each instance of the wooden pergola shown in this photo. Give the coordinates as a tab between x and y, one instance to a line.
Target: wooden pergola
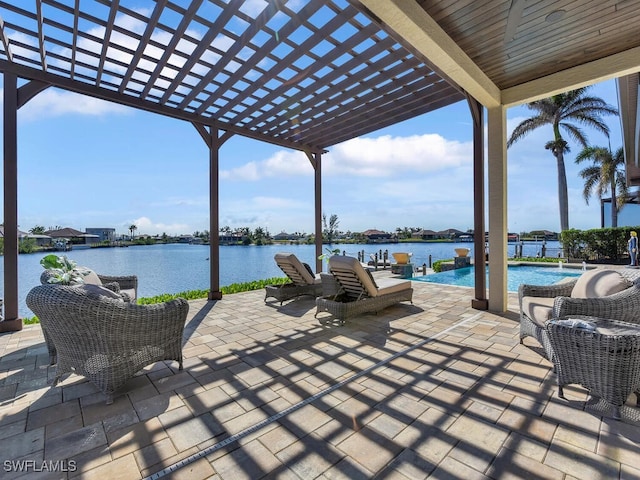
308	75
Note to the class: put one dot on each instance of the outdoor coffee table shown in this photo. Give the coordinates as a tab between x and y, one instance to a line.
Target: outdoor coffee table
604	359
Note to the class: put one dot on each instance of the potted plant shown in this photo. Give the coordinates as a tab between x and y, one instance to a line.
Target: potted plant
329	252
62	270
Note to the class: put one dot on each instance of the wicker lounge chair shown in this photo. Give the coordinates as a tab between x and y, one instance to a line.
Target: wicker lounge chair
126	286
359	293
100	336
601	293
303	280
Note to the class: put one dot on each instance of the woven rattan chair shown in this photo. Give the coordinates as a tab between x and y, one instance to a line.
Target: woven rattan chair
102	337
302	279
605	361
126	286
359	293
539	304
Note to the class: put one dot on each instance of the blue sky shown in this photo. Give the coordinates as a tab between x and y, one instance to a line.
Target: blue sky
87	163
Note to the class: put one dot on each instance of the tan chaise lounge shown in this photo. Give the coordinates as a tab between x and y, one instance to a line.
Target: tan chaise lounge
303	281
598	293
359	293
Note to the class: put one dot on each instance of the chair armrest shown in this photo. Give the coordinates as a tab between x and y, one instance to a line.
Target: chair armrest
548	291
113	286
141	324
125	282
556	290
624	305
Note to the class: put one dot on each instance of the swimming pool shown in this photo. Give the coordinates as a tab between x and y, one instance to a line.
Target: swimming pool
516	275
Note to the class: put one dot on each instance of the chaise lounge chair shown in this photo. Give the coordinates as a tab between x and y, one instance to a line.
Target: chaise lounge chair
303	281
359	293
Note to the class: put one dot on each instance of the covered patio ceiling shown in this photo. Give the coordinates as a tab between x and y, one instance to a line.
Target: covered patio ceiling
310	74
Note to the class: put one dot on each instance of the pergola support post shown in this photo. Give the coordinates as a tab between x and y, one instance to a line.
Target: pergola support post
214	141
316	162
11	322
497	195
480	301
214	215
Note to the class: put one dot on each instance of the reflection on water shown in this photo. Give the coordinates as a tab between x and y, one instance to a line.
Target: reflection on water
175	268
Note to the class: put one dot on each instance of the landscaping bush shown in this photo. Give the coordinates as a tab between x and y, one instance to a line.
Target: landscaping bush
598	244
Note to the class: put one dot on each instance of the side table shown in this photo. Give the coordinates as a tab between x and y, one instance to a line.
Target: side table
405	270
604	360
330	285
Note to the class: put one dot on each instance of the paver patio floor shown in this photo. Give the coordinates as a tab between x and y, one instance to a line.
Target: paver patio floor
432	389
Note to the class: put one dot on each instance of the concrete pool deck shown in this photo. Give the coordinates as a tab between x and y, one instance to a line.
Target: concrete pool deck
432	389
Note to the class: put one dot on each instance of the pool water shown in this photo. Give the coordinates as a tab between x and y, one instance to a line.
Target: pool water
516	275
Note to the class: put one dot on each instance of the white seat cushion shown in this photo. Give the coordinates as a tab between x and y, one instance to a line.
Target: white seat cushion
91	278
599	283
95	291
391	285
538	309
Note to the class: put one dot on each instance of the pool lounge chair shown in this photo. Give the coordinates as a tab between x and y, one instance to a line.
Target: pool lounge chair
359	293
303	281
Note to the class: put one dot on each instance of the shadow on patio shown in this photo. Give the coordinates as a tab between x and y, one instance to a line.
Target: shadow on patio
432	390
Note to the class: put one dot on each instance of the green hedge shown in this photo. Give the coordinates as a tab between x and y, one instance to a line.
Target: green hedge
437	265
597	244
226	290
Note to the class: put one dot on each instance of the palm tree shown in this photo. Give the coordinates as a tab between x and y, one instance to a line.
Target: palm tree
330	229
565	112
132	229
607	174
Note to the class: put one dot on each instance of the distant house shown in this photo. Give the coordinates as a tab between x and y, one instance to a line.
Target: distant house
103	233
21	234
450	233
230	238
283	236
73	236
377	236
188	238
544	235
425	234
41	240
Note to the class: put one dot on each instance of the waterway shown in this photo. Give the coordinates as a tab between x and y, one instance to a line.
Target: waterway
175	268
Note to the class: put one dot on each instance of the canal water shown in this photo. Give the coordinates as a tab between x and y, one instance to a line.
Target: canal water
174	268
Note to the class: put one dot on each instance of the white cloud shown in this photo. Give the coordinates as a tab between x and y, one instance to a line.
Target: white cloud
389	156
147	226
54	103
383	156
283	163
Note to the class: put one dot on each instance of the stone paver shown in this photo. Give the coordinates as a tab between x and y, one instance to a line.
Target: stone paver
469	402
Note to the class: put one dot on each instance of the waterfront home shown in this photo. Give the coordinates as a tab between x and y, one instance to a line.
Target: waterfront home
378	236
